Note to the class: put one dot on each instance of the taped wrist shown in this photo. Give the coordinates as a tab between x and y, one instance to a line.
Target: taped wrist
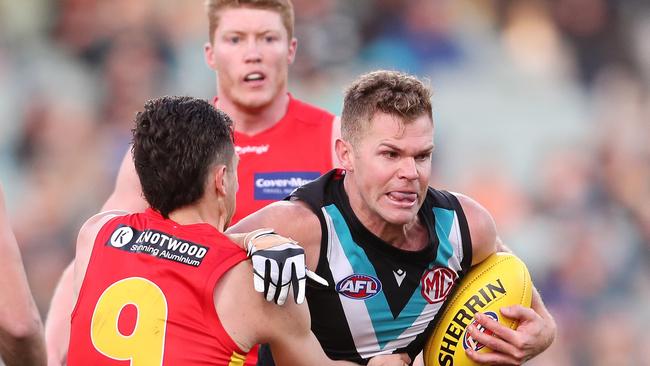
249	239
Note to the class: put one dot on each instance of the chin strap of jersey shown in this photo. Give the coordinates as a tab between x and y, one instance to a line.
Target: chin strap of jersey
278	265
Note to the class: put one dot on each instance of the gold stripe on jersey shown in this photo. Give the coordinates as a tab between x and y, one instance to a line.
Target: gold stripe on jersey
236	359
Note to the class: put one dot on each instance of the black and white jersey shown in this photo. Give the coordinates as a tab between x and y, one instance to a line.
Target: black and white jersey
380	299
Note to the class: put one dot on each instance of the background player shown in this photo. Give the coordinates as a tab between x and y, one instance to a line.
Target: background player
376	231
250	49
21	330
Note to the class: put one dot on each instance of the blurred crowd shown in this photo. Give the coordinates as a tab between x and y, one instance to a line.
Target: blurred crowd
542	113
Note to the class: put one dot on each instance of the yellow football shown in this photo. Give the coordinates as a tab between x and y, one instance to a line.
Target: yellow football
500	280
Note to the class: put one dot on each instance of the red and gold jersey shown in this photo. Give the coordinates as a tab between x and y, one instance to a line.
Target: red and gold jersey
274	162
147	297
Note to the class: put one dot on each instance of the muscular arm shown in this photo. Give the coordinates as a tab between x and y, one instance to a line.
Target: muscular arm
21	330
292	219
249	320
537	327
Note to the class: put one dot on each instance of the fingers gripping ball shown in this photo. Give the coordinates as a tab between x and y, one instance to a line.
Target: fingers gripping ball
500	280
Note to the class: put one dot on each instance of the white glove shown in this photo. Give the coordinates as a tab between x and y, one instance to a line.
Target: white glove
278	265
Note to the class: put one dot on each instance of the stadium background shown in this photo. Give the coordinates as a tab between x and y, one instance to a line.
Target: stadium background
542	112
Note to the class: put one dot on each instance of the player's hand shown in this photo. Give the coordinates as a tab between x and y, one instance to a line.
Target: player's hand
278	265
400	359
512	347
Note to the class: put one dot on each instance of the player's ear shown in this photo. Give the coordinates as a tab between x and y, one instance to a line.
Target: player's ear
293	47
345	153
220	184
208	55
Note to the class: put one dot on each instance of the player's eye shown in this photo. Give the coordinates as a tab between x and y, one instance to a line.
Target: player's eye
390	154
423	157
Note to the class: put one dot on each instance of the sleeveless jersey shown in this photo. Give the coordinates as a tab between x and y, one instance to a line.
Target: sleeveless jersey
148	296
294	151
381	299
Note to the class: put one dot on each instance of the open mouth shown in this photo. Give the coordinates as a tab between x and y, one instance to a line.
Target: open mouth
254	77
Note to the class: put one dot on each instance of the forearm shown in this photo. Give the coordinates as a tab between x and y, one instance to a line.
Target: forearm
57	326
21	329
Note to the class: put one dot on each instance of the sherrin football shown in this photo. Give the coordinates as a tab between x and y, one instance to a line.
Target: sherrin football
500	280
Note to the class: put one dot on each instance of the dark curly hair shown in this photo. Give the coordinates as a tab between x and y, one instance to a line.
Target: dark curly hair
175	142
390	92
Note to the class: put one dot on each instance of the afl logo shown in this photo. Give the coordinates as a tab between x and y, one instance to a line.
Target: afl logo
469	342
359	287
121	236
437	283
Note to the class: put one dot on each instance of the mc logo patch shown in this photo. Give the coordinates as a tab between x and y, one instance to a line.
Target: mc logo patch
437	283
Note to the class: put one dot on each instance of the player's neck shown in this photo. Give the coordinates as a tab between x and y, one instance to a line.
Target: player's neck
251	121
199	214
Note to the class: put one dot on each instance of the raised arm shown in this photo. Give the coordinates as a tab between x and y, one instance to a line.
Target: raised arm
536	329
21	330
127	194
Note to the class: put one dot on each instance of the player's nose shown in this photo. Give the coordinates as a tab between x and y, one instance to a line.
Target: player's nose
252	53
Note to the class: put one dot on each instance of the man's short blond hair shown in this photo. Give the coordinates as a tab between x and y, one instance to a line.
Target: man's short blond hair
391	92
282	7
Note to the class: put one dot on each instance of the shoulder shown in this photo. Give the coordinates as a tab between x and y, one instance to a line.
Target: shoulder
305	106
96	222
85	242
293	219
481	225
309	112
89	231
283	216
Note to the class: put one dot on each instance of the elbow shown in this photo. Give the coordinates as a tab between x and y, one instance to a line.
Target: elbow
25	330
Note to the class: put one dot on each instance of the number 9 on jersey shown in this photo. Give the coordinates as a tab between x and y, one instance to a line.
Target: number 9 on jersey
145	345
